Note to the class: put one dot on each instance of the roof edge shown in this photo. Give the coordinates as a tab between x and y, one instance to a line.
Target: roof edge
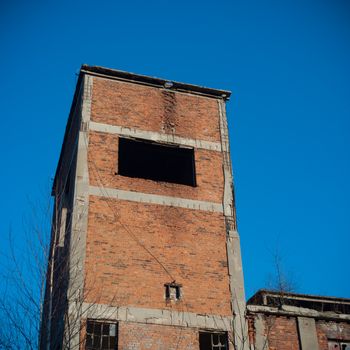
313	297
153	81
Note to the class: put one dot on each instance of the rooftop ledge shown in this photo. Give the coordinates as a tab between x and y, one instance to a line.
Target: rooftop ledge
152	81
267	299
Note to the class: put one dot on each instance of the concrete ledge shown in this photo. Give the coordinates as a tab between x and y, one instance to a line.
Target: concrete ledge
154	136
155	316
155	199
153	81
287	310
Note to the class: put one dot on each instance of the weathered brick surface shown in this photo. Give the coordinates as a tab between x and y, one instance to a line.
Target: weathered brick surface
153	109
135	336
322	338
103	165
281	332
189	243
333	331
133	248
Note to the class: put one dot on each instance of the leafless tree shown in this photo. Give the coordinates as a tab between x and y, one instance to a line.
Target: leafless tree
282	283
34	292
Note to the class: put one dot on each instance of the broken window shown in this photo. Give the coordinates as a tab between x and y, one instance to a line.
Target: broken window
155	161
101	335
213	341
338	345
172	291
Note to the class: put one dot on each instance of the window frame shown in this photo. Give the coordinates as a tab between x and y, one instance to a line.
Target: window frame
178	291
219	346
101	335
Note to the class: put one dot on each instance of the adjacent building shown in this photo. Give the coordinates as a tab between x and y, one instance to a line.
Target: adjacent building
289	321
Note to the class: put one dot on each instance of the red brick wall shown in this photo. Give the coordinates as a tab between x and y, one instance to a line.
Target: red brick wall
283	333
153	109
189	243
103	164
130	244
155	337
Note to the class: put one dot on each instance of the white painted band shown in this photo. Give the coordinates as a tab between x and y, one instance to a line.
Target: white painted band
154	136
155	199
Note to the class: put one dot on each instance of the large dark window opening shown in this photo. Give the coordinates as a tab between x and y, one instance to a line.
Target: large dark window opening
154	161
213	341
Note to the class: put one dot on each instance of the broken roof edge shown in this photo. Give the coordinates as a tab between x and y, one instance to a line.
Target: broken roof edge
307	297
155	82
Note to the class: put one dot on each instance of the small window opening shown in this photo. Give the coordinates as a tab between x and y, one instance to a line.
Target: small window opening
213	341
172	291
154	161
101	335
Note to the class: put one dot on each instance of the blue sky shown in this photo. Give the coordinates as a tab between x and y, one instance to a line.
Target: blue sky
287	65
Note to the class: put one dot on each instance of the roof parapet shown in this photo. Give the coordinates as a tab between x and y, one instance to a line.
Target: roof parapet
153	81
271	298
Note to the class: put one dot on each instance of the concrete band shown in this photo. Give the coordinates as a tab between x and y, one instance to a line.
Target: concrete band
154	136
234	259
288	310
153	316
155	199
80	218
261	331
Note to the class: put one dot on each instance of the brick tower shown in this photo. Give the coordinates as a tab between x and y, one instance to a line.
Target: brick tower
145	252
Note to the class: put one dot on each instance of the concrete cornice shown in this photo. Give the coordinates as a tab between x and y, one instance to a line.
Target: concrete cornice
287	310
153	81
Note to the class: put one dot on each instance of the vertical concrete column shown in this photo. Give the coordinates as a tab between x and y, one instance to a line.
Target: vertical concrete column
240	325
261	341
307	333
77	248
